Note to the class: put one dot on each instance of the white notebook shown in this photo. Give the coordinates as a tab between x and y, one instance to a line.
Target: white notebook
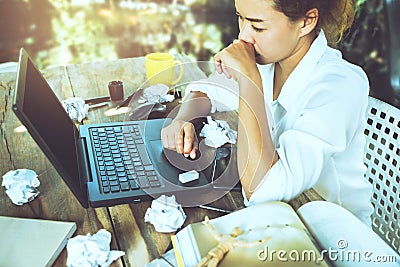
32	242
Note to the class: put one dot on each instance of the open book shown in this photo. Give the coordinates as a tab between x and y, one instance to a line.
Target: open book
273	234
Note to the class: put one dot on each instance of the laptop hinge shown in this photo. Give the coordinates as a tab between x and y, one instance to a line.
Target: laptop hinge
83	160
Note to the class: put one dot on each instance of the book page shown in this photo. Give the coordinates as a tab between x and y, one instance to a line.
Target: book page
289	242
32	242
344	239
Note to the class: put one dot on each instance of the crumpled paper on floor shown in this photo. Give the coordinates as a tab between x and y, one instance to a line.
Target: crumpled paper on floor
76	108
91	250
217	133
165	214
21	185
156	94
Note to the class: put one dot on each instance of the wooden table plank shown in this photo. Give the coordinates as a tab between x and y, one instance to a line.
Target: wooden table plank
91	79
8	146
133	234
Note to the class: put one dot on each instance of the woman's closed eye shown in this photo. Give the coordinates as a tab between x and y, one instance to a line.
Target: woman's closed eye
256	29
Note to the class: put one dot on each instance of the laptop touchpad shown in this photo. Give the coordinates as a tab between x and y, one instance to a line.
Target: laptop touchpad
170	164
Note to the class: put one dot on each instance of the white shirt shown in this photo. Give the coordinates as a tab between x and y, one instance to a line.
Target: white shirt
317	126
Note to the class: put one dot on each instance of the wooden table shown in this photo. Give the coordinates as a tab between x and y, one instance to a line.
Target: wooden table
130	233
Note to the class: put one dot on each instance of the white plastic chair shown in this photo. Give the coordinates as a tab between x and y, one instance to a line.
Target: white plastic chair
382	158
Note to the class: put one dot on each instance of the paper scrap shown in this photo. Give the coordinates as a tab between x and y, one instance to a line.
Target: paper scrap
91	250
168	259
217	133
188	176
76	108
165	214
156	94
21	185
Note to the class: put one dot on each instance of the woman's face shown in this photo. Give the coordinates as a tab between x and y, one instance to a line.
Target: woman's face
274	37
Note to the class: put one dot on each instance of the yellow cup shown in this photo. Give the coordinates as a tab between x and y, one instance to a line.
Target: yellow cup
160	69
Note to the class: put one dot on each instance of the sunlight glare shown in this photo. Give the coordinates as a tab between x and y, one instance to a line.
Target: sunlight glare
105	13
20	129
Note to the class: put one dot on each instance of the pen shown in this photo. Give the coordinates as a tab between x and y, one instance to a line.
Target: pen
97	100
103	104
213	208
135	94
123	102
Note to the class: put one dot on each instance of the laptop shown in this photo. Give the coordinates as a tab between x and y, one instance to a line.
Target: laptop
114	163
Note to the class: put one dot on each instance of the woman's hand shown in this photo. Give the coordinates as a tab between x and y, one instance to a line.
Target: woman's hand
236	60
180	136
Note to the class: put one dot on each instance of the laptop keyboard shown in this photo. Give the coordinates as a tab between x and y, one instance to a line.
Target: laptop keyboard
122	160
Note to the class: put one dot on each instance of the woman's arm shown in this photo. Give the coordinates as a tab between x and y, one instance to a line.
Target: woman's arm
180	135
256	152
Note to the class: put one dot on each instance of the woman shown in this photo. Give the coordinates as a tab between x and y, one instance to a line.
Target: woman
314	137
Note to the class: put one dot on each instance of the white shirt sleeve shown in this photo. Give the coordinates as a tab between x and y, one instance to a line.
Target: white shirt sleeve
223	92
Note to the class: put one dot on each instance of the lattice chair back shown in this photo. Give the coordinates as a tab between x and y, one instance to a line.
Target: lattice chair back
382	158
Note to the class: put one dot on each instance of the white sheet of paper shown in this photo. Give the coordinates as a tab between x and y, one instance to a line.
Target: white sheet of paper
343	235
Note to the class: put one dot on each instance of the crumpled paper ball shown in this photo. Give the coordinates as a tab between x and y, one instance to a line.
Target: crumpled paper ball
217	133
21	185
165	214
91	250
156	94
76	108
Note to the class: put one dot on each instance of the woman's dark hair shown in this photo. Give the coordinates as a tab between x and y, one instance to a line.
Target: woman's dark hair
334	16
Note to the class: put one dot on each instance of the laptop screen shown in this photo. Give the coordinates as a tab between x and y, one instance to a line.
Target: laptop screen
41	112
50	121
